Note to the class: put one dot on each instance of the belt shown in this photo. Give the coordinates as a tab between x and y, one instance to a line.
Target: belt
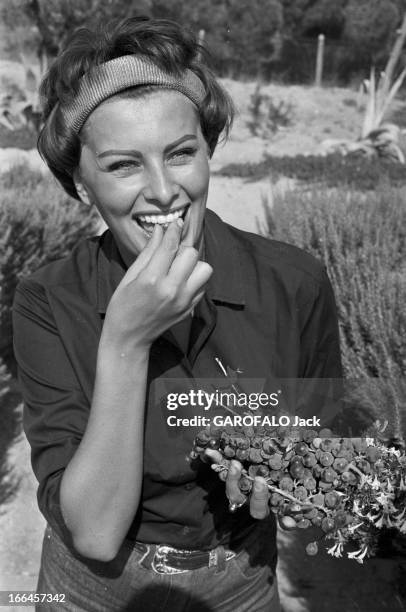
164	559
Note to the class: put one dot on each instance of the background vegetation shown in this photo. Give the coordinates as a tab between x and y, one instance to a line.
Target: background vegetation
38	223
282	33
361	238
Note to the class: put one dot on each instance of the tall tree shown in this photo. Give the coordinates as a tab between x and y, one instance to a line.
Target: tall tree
370	28
55	20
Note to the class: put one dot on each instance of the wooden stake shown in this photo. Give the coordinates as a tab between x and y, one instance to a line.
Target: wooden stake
319	60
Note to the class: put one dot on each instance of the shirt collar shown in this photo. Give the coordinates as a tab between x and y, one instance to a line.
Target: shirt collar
221	252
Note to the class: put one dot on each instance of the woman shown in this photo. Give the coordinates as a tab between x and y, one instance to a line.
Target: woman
168	293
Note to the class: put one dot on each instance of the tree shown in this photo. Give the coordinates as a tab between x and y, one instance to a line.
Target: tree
240	34
55	20
324	17
370	28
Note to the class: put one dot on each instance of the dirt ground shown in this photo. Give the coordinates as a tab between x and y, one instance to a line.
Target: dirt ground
306	584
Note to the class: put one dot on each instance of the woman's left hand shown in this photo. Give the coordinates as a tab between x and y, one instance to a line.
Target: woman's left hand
259	497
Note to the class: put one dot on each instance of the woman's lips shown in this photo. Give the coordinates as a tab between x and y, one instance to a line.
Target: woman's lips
148	222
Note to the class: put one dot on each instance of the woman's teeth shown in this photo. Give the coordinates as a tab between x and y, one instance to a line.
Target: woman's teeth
147	222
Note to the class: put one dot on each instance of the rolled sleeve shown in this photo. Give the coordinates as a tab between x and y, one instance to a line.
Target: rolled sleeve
55	408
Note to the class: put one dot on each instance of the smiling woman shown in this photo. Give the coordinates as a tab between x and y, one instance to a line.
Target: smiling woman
132	116
144	161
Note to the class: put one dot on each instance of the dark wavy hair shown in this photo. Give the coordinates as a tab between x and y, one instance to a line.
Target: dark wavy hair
170	46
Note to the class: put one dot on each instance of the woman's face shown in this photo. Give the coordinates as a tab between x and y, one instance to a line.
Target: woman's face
144	161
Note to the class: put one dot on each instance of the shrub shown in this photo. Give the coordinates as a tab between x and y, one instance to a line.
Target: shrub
10	427
38	223
354	171
266	115
23	138
361	238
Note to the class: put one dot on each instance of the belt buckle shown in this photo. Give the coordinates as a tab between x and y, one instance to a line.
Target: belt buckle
160	559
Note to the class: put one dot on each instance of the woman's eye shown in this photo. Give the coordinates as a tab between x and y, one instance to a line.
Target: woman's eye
183	154
124	165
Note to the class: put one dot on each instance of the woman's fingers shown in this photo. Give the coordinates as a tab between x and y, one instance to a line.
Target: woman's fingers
259	507
259	499
183	264
211	456
163	256
199	277
144	256
232	489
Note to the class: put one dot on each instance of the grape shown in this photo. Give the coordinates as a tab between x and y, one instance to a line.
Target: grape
310	483
326	459
256	442
328	474
304	523
309	435
301	448
275	475
311	514
275	462
249	431
263	471
312	549
255	455
296	470
229	452
349	477
347	445
243	443
340	463
325	433
245	484
300	493
253	470
317	470
317	520
316	442
359	444
326	445
331	499
340	519
202	439
241	454
307	473
325	486
309	460
276	499
286	483
327	524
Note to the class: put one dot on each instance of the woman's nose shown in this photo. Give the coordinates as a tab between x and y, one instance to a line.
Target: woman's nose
161	188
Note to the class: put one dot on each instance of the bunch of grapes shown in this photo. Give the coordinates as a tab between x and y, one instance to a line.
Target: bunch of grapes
343	486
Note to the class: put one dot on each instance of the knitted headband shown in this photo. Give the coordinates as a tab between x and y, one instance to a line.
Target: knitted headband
121	73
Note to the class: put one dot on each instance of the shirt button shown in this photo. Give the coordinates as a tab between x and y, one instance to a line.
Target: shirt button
189	486
185	530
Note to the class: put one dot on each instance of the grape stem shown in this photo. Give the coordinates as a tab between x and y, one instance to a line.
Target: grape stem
354	468
281	492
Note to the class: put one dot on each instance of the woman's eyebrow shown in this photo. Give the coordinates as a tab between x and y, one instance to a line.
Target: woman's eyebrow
136	153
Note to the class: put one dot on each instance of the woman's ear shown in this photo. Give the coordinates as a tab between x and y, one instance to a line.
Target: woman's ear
80	188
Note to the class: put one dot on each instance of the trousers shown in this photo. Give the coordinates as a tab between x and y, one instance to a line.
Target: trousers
245	583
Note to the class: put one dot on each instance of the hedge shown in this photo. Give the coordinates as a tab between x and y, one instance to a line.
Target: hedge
361	238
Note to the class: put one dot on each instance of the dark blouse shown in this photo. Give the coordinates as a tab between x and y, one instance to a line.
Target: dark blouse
269	311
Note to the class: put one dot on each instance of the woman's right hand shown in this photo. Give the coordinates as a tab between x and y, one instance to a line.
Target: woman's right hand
160	288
